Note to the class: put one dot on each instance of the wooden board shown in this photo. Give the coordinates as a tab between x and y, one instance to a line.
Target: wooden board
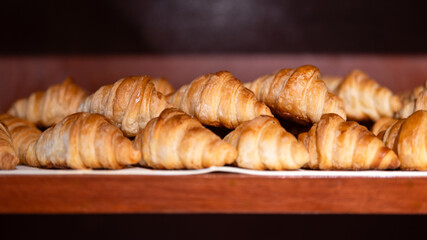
210	193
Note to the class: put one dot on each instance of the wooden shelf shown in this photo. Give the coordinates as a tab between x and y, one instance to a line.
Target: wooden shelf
211	193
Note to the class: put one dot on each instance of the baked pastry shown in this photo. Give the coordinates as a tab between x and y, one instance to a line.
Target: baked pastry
163	86
334	144
24	138
49	107
84	140
332	82
297	94
8	158
217	100
130	103
408	138
365	99
383	124
81	140
416	100
175	140
263	144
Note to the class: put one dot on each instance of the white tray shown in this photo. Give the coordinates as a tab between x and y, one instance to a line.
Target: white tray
24	170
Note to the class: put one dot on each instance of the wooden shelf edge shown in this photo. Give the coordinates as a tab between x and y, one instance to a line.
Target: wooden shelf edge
211	193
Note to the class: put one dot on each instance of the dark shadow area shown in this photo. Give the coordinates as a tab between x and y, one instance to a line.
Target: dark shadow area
241	26
72	27
210	226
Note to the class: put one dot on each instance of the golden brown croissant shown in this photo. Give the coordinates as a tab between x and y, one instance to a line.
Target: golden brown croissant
218	100
383	124
408	138
263	144
175	140
334	143
130	103
84	140
8	158
49	107
413	102
298	94
163	86
365	99
24	137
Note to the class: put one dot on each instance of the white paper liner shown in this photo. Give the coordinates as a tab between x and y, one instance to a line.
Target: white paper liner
24	170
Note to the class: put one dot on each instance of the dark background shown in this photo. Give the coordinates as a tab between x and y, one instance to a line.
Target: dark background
235	227
211	27
200	26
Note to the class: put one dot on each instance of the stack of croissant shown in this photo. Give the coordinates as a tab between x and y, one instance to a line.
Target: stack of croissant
143	121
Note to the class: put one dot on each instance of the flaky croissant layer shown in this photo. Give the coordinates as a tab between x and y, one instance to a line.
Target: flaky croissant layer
175	140
8	157
47	108
383	124
263	144
365	99
408	138
24	137
80	141
130	103
415	101
163	86
298	94
336	144
84	140
218	100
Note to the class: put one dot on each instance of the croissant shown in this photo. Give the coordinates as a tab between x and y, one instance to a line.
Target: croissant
365	99
413	102
84	140
336	144
383	124
218	100
130	103
24	138
163	86
175	140
297	94
47	108
408	138
8	158
263	144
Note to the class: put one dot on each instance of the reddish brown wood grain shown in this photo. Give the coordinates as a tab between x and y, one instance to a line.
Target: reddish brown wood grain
19	76
211	193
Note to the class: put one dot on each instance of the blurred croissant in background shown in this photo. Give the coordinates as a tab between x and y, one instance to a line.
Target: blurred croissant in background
364	98
414	101
47	108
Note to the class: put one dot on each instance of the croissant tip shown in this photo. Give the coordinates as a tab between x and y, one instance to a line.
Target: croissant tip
68	79
231	155
128	154
395	163
8	161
